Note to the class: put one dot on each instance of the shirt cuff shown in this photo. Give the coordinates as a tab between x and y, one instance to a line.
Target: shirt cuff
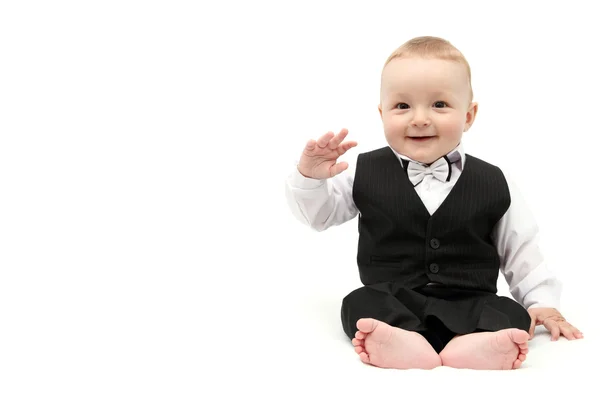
299	181
543	296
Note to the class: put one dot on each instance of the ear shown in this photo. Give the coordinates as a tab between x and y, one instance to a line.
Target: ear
380	113
471	114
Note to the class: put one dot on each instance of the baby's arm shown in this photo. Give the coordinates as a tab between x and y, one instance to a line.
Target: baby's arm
321	203
319	189
530	281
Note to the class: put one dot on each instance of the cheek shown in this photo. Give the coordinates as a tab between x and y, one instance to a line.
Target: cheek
394	123
451	124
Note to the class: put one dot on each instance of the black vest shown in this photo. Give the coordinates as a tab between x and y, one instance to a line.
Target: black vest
399	241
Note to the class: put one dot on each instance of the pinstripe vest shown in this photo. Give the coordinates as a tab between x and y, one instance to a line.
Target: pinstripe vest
400	241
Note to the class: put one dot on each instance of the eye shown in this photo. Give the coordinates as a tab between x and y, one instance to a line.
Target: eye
402	106
440	104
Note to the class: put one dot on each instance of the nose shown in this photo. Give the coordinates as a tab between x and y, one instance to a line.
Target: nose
420	118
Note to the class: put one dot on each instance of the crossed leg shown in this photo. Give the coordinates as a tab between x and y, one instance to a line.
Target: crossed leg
504	349
384	346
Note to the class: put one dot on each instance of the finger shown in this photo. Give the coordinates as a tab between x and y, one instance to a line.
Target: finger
578	334
566	331
343	148
335	141
532	326
324	139
554	329
311	144
575	332
337	168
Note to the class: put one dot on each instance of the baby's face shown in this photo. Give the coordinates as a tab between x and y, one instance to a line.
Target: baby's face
425	106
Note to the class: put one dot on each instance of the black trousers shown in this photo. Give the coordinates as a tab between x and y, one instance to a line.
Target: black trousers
438	313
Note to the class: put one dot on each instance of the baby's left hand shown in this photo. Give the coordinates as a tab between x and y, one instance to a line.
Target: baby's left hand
554	322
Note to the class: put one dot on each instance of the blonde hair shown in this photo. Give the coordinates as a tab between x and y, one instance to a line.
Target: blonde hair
432	47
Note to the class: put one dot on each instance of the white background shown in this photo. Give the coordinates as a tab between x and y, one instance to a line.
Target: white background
145	244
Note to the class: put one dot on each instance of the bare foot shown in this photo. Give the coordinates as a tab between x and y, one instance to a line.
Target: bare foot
384	346
505	349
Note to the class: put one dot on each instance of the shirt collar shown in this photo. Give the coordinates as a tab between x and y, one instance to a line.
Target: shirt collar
458	151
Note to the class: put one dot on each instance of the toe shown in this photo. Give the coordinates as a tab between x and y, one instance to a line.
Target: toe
522	357
517	364
524	350
364	357
356	342
359	349
519	336
366	325
360	335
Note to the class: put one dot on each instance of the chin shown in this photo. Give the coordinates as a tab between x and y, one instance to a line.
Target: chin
426	159
421	156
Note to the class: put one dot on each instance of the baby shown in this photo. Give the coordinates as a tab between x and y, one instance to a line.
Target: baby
436	227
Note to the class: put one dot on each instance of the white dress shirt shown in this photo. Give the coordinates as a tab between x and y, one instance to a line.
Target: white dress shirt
321	204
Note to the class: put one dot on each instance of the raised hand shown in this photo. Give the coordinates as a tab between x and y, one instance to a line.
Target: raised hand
554	322
319	158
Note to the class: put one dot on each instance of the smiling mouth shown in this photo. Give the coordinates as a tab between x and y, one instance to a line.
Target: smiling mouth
424	138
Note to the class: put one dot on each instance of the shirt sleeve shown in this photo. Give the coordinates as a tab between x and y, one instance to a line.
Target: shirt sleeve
321	203
530	280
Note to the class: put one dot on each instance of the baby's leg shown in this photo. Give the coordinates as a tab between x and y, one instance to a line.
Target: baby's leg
384	346
504	349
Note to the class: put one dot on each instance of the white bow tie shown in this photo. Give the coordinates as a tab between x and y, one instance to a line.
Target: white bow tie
440	169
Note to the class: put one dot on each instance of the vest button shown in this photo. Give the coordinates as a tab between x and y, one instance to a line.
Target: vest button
434	268
435	243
